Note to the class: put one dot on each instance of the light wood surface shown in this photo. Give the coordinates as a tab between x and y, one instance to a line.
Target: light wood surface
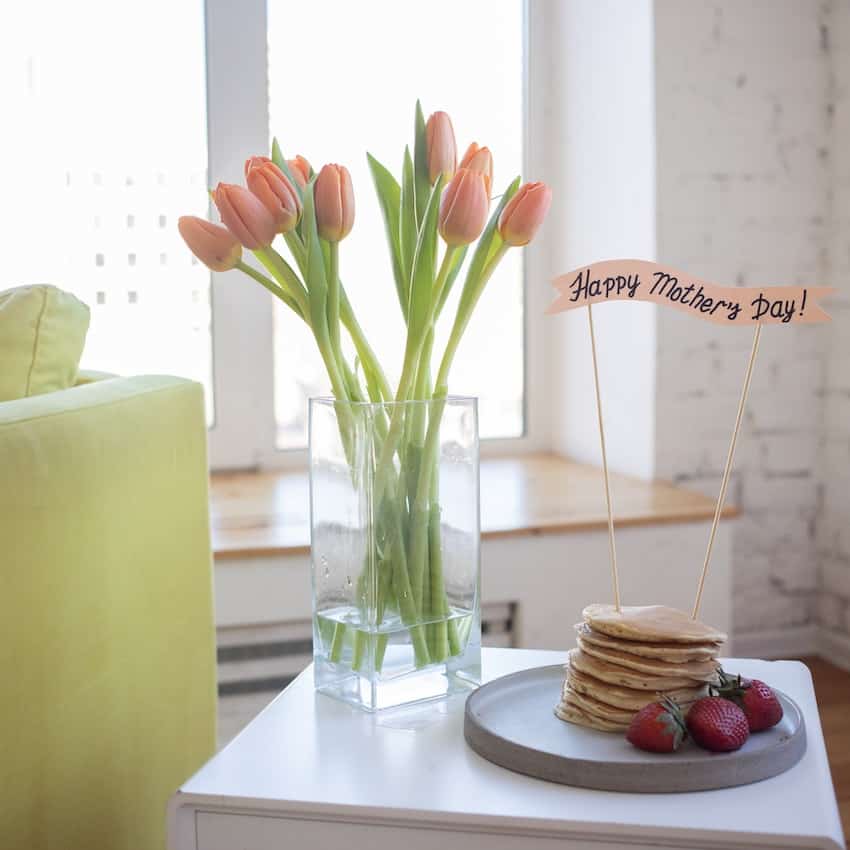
832	689
268	513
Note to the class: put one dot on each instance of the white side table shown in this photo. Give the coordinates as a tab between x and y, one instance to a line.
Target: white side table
312	772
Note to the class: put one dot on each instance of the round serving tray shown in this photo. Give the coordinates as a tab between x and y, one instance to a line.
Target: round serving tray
511	722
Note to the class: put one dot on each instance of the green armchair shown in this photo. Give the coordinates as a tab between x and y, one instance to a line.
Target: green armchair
107	650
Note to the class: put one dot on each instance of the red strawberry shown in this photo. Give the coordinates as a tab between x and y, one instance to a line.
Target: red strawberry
658	727
718	725
757	700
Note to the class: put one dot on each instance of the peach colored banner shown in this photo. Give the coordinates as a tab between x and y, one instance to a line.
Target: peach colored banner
642	280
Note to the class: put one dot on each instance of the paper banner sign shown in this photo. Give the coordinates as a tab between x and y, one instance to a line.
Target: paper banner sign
642	280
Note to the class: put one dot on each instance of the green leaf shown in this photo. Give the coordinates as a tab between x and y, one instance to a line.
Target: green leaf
280	161
488	243
389	197
277	153
317	284
424	265
420	160
407	232
454	271
296	247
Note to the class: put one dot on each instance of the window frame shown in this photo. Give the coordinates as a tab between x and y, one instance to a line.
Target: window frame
243	432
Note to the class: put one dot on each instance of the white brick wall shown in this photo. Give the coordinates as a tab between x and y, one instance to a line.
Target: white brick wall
744	171
834	519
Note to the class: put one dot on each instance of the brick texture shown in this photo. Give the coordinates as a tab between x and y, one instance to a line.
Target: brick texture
750	117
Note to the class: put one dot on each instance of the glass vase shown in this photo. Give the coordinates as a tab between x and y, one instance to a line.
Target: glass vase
394	523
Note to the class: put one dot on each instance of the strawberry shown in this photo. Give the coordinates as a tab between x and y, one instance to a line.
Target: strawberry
658	727
754	697
718	725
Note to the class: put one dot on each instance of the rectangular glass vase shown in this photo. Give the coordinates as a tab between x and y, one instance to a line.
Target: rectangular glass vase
394	524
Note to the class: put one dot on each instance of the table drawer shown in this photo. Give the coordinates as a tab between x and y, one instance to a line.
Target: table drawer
252	832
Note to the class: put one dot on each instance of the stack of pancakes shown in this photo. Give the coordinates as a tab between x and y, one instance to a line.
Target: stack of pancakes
631	657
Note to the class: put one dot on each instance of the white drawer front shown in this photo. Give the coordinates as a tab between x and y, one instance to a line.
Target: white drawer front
250	832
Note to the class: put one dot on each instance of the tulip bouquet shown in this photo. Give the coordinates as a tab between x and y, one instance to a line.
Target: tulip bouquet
433	214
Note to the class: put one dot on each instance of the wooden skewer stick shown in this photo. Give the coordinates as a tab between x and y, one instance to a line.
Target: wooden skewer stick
611	547
725	481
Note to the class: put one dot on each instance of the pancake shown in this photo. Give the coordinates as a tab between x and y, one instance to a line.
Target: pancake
595	707
673	652
649	623
627	698
613	674
582	718
698	671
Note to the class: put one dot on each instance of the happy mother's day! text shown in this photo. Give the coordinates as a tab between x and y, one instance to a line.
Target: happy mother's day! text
642	280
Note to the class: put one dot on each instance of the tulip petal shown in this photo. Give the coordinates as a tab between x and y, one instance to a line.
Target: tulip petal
463	210
214	245
333	196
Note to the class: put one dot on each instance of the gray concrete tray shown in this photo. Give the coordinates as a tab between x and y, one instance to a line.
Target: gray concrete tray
511	722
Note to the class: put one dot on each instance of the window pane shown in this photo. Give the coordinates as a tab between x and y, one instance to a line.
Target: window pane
358	95
108	148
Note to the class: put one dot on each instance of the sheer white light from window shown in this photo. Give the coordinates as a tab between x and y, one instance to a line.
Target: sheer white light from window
108	148
335	97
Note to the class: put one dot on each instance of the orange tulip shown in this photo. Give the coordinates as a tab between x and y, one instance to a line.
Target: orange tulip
215	246
463	208
300	169
244	216
480	160
278	195
440	147
334	198
524	213
254	161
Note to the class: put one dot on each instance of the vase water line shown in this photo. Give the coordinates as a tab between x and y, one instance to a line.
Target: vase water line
395	550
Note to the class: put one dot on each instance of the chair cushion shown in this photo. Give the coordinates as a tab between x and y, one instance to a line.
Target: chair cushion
42	334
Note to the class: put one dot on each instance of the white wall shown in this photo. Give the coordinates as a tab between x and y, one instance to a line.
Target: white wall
715	137
743	165
834	505
596	95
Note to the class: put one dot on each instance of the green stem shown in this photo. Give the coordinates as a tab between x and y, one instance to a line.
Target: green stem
403	590
275	288
337	641
462	320
419	508
364	351
412	353
296	246
284	274
361	640
439	603
381	642
333	297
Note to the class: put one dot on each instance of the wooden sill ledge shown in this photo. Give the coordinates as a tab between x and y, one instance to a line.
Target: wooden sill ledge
264	514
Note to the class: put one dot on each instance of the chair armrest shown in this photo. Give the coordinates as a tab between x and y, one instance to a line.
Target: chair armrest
106	614
89	376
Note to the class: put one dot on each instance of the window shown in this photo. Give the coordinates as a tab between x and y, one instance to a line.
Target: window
107	149
360	97
118	135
